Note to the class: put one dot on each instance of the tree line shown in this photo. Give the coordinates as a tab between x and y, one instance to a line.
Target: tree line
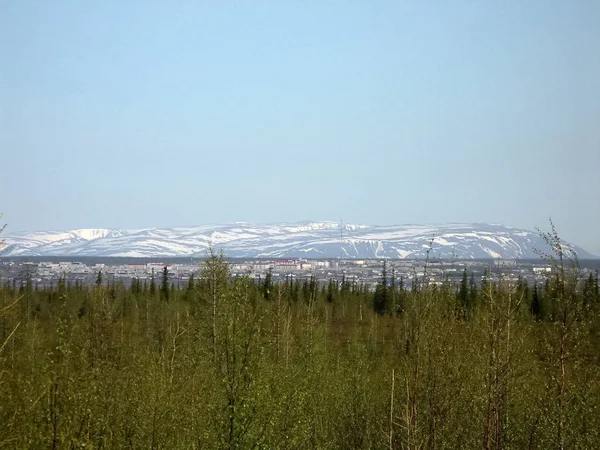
225	362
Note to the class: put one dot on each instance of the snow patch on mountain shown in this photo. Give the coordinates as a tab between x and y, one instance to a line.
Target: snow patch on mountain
310	239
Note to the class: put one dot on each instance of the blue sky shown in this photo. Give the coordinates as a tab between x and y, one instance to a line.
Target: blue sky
138	114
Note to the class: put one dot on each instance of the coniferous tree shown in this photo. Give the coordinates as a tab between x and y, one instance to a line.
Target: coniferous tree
401	296
164	284
485	283
295	294
536	307
133	287
268	285
305	289
133	371
62	287
99	279
472	291
381	297
190	291
152	284
463	295
550	300
393	295
590	293
329	297
344	286
312	290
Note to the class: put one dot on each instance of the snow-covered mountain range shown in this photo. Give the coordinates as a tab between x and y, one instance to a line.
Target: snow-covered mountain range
303	239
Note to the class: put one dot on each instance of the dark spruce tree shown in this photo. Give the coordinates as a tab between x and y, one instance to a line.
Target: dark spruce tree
590	292
268	285
463	296
330	290
152	284
401	300
472	291
190	290
99	279
536	306
164	285
394	306
381	298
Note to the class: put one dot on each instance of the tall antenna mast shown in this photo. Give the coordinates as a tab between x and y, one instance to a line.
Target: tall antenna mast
341	238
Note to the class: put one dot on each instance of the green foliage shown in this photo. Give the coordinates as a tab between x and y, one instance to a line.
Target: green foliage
99	279
221	366
463	296
164	285
381	299
152	284
536	304
268	285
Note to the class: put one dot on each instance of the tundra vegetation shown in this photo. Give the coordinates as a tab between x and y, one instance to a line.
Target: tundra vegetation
228	363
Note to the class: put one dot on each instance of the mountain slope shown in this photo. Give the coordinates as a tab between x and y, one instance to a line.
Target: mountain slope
304	239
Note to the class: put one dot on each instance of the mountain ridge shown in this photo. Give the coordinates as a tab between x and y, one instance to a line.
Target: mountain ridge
307	239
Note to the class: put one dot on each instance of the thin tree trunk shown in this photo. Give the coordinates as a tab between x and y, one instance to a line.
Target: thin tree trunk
391	434
563	383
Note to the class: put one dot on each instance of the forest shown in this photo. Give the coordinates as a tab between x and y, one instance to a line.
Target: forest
230	363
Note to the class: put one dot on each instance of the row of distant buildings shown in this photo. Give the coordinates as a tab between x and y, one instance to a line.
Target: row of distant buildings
360	271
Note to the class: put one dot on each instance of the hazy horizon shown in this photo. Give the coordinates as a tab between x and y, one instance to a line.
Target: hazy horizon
144	114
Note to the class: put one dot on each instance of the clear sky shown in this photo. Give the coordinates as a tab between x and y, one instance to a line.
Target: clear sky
133	114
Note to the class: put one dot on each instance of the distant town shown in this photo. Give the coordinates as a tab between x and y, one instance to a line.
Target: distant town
47	271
